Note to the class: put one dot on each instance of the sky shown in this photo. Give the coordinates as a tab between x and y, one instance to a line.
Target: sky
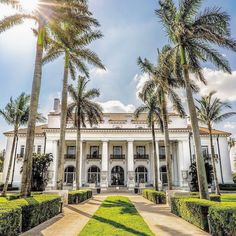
130	30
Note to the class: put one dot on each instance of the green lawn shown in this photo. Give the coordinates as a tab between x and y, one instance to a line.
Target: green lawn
116	216
228	198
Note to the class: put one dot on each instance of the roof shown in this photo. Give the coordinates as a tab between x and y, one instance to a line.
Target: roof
40	130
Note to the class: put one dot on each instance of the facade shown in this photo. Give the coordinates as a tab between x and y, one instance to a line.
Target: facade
118	152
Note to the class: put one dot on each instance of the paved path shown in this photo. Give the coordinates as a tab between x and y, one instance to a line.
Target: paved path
71	222
75	217
161	221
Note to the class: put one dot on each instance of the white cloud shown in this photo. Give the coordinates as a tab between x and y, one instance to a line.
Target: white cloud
97	72
140	80
223	83
116	106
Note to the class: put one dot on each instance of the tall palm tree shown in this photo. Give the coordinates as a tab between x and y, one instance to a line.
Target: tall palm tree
73	46
209	111
165	83
83	110
192	34
16	113
47	15
150	106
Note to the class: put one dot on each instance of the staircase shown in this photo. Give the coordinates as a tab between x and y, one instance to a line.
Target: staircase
117	189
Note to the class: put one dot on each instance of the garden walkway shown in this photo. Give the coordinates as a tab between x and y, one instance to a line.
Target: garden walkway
75	217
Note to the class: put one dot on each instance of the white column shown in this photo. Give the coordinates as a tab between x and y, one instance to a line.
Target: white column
104	172
130	160
54	151
81	162
158	164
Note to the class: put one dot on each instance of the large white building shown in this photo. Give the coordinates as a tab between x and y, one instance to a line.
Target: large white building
119	151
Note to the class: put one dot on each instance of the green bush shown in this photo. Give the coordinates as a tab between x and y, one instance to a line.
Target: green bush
154	196
79	196
10	219
193	210
213	197
222	219
23	214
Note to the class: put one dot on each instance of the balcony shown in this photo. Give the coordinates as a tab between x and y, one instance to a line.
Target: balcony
70	156
94	157
207	158
19	156
117	157
141	157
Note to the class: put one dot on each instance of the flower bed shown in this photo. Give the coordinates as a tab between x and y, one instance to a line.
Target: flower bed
79	196
154	196
19	215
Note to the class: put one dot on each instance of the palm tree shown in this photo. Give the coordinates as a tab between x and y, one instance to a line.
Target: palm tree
47	15
16	113
209	111
164	82
192	35
151	102
72	45
83	110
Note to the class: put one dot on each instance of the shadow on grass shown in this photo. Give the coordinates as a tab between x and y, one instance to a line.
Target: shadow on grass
119	226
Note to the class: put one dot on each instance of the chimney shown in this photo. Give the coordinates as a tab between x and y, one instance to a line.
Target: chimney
56	106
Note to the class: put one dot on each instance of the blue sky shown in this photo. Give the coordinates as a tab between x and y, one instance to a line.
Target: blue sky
130	29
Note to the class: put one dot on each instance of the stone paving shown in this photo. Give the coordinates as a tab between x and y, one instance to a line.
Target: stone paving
75	217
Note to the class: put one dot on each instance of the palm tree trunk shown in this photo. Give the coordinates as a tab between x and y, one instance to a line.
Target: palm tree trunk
156	172
4	191
14	163
213	161
167	144
78	141
28	159
61	151
201	171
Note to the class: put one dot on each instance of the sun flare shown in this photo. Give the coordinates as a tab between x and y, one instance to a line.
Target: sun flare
29	5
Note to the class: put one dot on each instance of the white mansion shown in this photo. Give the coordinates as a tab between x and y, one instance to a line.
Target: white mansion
119	151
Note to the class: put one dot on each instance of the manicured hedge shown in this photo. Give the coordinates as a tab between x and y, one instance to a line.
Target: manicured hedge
154	196
23	214
79	196
222	219
193	210
228	187
213	197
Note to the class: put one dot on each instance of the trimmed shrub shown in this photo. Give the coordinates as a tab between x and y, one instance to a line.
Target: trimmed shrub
228	187
213	197
154	196
10	219
234	178
23	214
222	219
79	196
193	210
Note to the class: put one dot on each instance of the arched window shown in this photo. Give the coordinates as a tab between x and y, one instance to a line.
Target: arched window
141	174
94	175
163	175
69	177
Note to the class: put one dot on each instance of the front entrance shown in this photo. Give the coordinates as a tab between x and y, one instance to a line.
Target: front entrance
117	176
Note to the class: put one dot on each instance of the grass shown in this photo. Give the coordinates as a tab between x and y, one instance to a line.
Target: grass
116	216
228	198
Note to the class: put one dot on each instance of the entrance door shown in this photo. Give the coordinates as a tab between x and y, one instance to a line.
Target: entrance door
117	176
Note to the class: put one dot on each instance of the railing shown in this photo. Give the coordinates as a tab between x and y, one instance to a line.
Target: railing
162	156
94	157
207	158
116	157
70	156
141	156
19	156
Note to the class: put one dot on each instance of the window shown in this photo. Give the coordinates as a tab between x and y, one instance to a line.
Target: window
71	150
205	153
94	151
117	150
39	149
94	175
22	150
163	175
69	177
141	175
162	152
140	150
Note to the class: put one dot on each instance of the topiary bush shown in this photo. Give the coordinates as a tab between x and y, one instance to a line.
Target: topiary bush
154	196
193	210
222	219
19	215
78	196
